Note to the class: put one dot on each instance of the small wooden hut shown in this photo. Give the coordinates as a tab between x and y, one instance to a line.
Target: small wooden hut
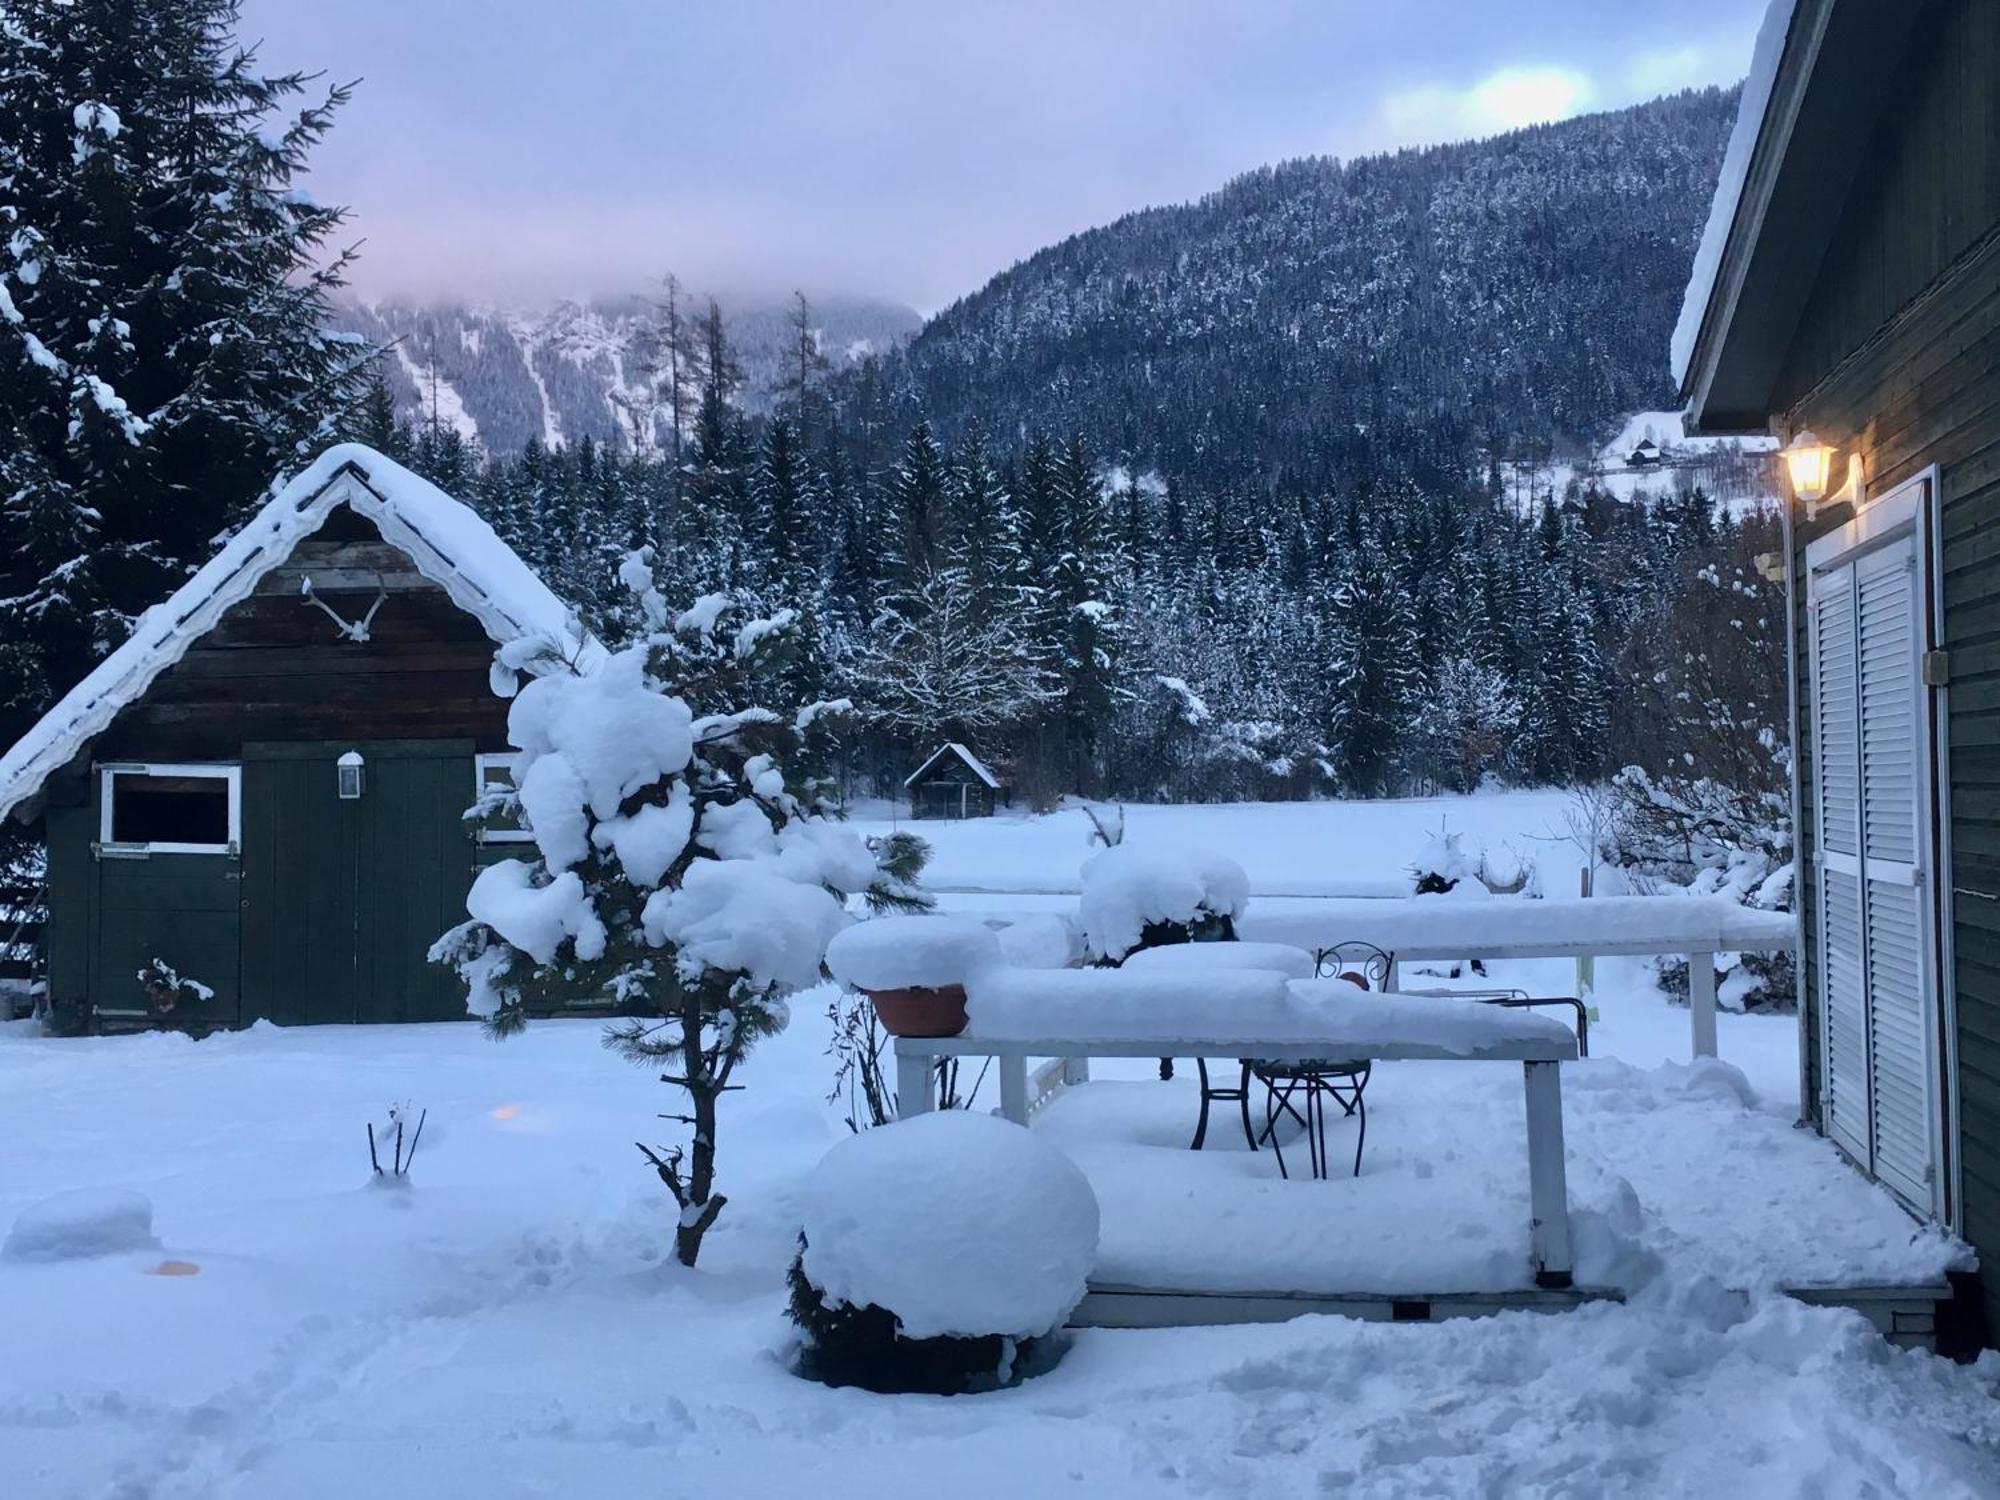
954	783
255	807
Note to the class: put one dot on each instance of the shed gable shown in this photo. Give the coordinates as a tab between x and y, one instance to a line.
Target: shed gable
276	666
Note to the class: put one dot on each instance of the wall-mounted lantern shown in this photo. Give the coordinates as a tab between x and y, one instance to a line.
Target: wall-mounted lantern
1809	462
348	770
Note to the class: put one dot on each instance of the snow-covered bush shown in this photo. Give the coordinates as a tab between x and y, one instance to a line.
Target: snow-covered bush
398	1135
1444	864
166	988
81	1223
1140	896
1699	835
942	1253
686	867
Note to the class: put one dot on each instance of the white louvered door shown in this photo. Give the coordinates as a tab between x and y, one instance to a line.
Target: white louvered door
1871	764
1843	1004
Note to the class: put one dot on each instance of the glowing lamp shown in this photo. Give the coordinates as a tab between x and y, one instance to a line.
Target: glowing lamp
348	771
1809	462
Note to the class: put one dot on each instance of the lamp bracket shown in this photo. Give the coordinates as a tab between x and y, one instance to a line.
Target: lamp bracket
1852	490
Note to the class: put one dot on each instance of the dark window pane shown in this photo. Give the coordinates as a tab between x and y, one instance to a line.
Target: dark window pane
169	809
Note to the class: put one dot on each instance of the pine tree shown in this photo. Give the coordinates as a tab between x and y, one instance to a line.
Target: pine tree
919	508
1371	673
1084	591
778	496
685	868
163	300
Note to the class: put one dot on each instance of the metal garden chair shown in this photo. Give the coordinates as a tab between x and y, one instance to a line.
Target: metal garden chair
1318	1080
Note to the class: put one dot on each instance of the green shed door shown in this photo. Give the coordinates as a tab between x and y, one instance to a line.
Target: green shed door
168	878
180	909
344	896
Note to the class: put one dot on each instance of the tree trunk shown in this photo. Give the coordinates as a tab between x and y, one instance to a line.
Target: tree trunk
700	1210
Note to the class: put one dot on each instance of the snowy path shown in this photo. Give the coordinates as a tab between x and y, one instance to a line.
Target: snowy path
507	1328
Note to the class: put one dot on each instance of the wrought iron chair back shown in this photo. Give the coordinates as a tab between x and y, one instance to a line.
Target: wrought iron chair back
1372	964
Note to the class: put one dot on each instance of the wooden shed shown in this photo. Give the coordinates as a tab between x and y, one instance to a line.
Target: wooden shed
258	800
1849	302
954	783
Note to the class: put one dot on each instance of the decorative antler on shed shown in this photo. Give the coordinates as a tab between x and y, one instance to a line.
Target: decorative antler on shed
356	630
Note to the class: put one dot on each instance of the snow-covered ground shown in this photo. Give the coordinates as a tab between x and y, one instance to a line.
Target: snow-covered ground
509	1325
1289	849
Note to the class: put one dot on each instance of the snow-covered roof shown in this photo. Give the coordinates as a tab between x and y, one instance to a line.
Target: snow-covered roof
953	747
1722	212
447	541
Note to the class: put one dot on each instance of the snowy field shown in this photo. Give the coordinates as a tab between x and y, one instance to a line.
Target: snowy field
509	1327
1289	849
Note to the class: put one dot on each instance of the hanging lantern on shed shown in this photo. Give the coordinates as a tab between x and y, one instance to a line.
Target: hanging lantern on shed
347	771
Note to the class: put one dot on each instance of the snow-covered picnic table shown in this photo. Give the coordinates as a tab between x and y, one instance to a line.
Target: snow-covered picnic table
1018	1014
1444	927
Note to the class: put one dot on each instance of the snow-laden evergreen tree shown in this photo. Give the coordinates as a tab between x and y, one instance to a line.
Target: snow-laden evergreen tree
686	869
1371	673
919	509
164	353
1084	590
778	496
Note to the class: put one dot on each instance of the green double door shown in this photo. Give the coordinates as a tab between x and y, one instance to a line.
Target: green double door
343	897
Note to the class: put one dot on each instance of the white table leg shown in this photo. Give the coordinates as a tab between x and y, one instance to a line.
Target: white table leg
1076	1070
1548	1187
1701	1002
1014	1086
915	1075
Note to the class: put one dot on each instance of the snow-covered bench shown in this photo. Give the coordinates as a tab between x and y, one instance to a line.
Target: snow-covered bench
1018	1014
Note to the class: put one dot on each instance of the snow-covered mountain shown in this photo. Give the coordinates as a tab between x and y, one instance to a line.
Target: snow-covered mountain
502	376
1407	318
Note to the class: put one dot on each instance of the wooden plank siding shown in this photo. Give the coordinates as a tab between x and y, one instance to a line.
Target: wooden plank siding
1898	358
276	668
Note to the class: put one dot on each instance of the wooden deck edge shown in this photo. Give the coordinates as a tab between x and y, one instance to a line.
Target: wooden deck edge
1112	1305
1906	1315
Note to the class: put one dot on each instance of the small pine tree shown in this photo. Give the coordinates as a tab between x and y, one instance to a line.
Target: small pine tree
687	870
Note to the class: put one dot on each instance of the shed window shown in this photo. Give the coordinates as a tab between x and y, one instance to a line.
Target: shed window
495	782
172	808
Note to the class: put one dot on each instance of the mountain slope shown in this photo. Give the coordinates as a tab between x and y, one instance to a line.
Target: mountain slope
1322	319
503	376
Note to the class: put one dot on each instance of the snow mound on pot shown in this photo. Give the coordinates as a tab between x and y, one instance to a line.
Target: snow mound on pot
958	1223
913	952
1127	887
82	1223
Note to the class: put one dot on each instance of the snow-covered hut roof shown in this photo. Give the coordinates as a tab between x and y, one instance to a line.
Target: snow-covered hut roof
953	747
1823	77
1728	203
445	539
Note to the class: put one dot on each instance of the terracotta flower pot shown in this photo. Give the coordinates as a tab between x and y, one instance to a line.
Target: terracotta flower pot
921	1012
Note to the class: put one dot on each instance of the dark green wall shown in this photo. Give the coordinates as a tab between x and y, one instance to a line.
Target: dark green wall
326	915
1899	360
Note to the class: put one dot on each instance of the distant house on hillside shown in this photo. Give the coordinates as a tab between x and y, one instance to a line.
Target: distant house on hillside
954	783
1847	299
1645	456
254	808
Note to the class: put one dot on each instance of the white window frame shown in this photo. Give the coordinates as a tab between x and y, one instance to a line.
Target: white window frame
511	759
230	772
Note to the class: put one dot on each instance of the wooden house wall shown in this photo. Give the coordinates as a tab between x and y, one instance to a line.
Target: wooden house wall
1898	359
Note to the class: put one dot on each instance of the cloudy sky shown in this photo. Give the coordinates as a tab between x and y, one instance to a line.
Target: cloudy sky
527	149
